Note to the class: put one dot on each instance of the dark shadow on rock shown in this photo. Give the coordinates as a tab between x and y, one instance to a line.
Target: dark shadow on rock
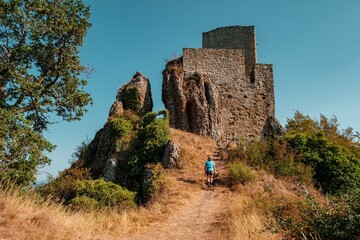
272	128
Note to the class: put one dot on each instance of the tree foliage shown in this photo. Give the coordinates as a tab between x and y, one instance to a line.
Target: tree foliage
40	75
333	154
311	151
21	149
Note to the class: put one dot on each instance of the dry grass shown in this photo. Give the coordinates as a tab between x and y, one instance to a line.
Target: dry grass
23	217
252	206
246	211
194	152
246	221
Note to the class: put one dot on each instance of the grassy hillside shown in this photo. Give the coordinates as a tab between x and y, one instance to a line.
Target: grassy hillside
249	210
24	216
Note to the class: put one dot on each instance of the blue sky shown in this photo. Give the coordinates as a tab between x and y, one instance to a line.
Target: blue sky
313	46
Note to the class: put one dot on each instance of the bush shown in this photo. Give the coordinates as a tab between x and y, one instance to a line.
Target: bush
101	194
289	167
275	157
339	219
154	181
155	135
240	173
148	150
84	203
336	169
120	126
62	188
131	99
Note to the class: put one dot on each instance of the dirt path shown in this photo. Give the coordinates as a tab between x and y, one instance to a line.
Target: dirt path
200	219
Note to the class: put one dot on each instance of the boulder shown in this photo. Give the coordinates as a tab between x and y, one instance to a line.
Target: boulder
171	155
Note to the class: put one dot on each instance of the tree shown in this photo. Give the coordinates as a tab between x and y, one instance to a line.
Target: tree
334	154
21	149
40	72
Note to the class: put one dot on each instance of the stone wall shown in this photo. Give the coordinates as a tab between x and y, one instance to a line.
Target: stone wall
246	89
234	37
241	102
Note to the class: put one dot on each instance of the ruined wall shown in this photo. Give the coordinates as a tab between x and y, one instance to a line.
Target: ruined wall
234	37
264	110
226	69
245	103
245	89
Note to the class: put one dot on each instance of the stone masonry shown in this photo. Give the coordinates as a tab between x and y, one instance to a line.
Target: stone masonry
246	88
234	37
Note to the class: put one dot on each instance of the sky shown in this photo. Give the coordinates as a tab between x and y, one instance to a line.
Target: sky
313	46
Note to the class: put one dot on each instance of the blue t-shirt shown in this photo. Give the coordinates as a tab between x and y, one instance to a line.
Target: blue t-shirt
209	165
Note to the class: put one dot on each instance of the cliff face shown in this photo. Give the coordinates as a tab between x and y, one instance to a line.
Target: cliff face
192	101
104	155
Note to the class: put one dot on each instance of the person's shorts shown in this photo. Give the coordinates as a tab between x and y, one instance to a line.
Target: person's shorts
210	173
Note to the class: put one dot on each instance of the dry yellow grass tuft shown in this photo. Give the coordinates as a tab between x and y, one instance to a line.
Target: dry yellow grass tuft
246	221
26	217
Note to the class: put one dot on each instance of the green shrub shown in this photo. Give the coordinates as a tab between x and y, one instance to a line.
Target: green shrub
84	203
254	154
240	173
147	151
288	167
120	126
62	188
334	155
336	169
155	135
131	99
339	219
106	194
154	181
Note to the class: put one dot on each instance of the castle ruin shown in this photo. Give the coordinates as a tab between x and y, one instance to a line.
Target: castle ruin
239	92
218	91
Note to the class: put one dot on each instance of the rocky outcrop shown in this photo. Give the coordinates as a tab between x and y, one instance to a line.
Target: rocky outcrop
192	101
103	156
171	155
134	96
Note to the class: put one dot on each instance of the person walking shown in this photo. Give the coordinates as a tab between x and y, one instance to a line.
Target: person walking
210	171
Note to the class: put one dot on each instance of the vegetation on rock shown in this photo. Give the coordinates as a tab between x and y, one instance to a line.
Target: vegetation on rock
140	145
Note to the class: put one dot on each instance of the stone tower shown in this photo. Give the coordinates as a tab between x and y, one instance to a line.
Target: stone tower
234	37
246	104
